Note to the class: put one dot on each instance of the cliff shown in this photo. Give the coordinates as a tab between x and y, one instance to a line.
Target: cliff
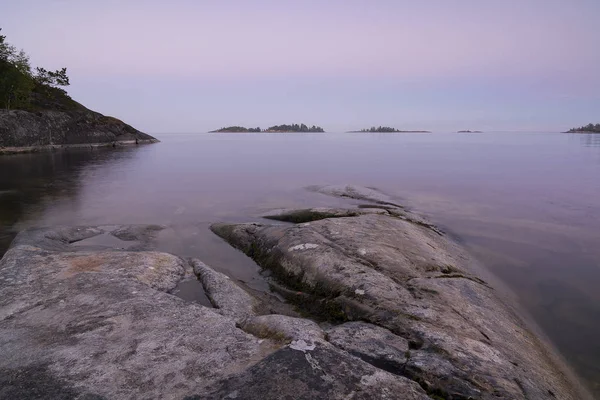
21	130
53	120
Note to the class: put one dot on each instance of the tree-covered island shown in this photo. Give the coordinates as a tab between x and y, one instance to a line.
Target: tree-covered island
589	128
235	129
294	128
386	129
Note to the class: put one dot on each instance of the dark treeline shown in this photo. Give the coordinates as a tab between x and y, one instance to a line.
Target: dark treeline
294	128
275	128
237	129
383	129
22	87
589	128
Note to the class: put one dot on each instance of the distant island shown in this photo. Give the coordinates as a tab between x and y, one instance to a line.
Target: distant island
294	128
385	129
235	129
589	128
467	131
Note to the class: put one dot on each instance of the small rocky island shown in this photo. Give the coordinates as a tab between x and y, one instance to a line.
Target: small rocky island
236	129
293	128
589	128
36	113
381	305
468	131
385	129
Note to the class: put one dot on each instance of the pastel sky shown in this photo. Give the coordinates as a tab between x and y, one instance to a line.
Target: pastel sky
192	66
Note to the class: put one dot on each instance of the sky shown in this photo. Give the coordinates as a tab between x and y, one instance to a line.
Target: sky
441	65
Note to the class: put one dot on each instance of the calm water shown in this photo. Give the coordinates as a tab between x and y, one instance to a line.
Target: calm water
528	204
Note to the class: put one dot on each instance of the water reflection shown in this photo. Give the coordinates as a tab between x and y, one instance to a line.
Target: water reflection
30	182
588	139
527	204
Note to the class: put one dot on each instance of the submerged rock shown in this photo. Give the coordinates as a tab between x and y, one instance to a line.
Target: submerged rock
356	193
315	214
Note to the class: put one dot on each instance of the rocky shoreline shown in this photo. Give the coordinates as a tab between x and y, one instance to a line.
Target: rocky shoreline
385	305
27	132
65	147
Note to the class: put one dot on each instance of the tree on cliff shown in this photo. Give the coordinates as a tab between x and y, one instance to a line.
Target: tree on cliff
18	83
52	78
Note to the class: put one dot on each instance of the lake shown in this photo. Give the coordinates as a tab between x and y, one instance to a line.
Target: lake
526	204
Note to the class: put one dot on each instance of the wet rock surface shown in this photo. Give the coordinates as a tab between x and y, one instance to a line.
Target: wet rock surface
386	306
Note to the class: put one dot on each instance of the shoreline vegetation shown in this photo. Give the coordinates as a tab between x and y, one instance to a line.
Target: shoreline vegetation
23	87
293	128
589	128
37	114
385	129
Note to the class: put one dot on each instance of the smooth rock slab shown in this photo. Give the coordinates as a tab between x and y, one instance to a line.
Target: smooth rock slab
395	271
92	325
102	324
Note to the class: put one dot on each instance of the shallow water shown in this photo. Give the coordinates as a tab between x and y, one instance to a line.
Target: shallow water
527	204
192	290
104	241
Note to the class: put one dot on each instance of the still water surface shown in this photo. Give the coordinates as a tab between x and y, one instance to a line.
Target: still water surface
527	204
